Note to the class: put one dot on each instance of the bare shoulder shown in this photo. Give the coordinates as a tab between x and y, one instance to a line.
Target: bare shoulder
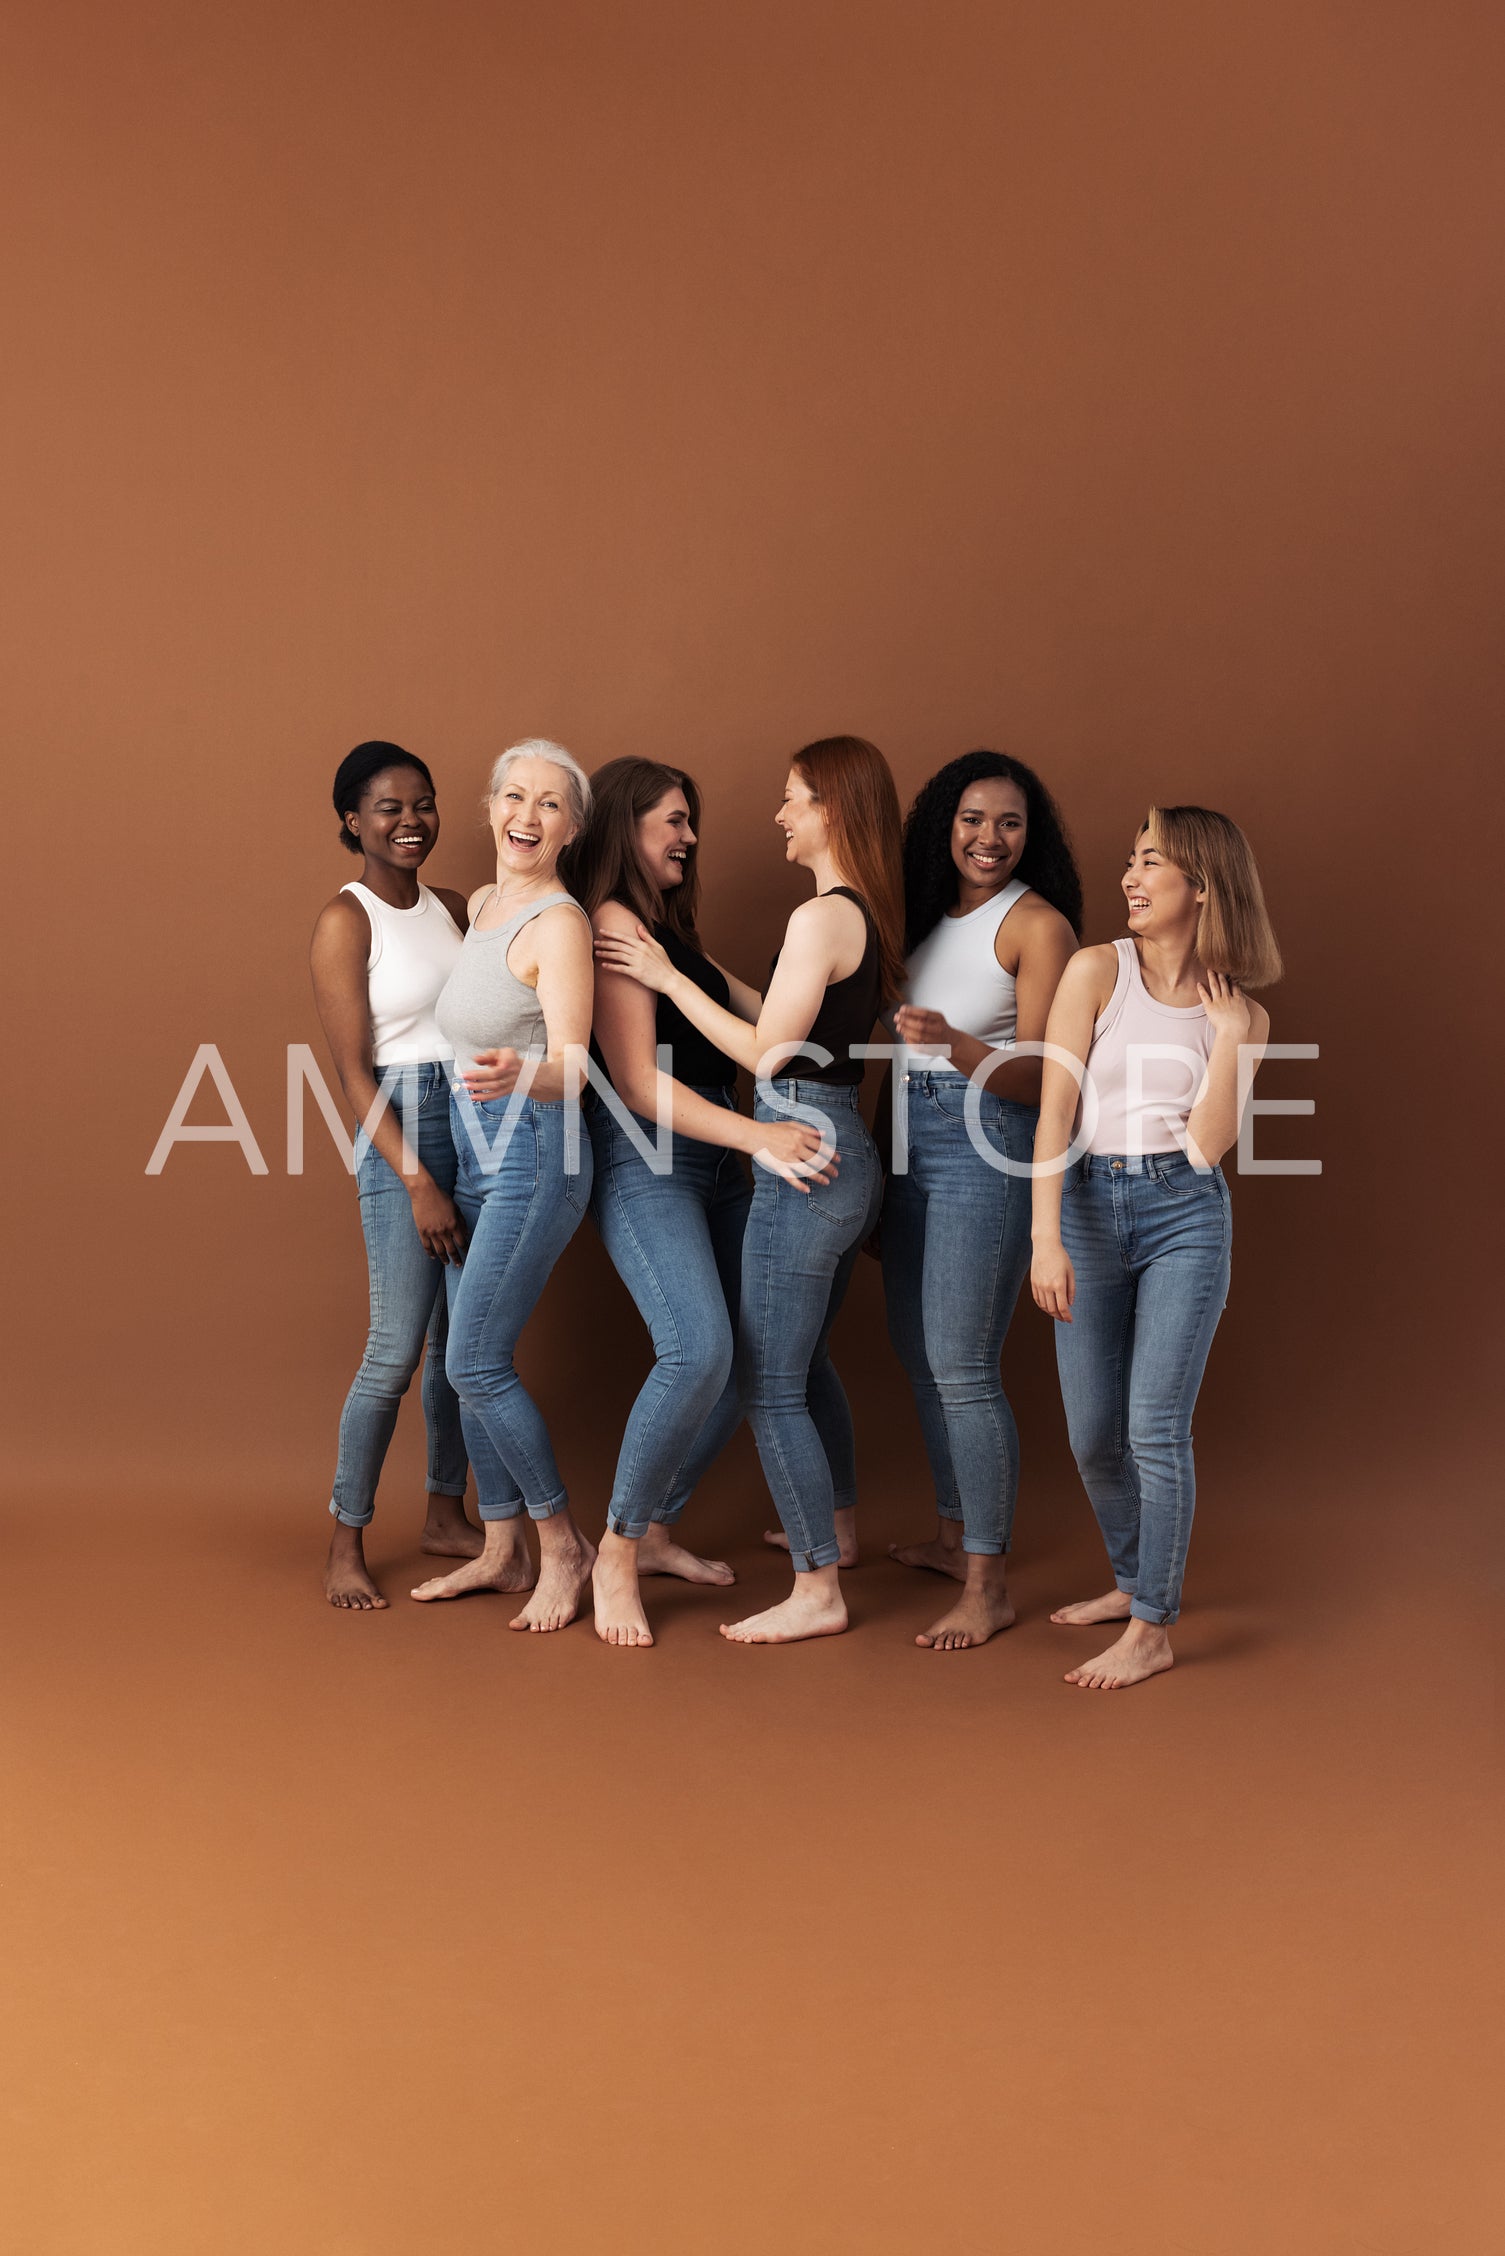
455	902
829	916
563	928
1259	1022
477	902
1032	924
613	916
1093	969
342	923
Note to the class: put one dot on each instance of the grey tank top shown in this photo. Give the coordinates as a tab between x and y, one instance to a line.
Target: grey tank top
484	1006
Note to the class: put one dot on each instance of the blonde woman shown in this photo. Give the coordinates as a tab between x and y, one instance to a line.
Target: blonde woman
518	999
1131	1240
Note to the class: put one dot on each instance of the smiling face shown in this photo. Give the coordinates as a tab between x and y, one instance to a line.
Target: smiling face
397	821
666	841
801	820
988	833
531	817
1163	902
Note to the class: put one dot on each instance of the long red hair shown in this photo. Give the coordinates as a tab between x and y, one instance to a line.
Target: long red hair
851	779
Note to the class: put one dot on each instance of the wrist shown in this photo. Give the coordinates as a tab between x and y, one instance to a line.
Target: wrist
422	1181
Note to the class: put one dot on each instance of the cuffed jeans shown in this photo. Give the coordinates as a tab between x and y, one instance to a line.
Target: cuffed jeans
956	1245
676	1243
1149	1240
797	1260
407	1308
520	1210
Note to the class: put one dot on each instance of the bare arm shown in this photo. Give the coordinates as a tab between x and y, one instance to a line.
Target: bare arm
1213	1123
626	1032
1085	988
556	962
341	946
1048	947
817	943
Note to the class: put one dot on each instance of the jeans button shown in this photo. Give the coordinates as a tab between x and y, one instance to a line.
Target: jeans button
1118	1167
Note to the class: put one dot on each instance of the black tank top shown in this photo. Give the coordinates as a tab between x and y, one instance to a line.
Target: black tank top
697	1061
847	1013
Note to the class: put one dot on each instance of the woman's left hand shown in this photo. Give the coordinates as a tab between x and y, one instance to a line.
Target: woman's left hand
1226	1005
922	1029
640	958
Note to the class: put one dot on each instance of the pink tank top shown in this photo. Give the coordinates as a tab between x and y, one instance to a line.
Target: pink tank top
1146	1063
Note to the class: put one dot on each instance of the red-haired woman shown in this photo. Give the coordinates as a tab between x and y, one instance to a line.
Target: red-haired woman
841	961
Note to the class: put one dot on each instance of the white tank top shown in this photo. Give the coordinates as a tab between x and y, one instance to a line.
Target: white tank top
413	952
1147	1063
955	970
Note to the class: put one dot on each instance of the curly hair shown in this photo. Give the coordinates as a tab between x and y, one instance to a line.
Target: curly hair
930	876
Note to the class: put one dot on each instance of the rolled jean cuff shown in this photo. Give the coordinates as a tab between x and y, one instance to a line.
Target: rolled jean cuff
547	1510
631	1526
507	1511
824	1555
1126	1587
976	1548
950	1510
352	1519
445	1488
1161	1616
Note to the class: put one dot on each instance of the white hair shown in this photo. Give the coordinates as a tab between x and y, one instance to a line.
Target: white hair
577	781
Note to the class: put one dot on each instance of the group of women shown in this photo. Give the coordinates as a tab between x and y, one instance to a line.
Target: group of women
1060	1110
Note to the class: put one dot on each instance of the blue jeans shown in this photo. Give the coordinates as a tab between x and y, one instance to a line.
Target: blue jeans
797	1260
956	1245
520	1210
1149	1240
676	1243
407	1308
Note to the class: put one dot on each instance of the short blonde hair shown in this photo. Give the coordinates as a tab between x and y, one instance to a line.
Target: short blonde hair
1233	931
577	782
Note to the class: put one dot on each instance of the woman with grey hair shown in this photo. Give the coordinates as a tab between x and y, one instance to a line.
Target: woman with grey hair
518	1000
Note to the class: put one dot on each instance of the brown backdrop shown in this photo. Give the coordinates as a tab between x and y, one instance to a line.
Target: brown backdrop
1111	391
1114	384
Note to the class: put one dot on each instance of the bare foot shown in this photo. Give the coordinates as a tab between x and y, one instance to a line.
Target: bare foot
1115	1607
814	1608
504	1564
447	1532
846	1536
943	1554
1143	1650
620	1619
977	1615
563	1572
658	1553
347	1584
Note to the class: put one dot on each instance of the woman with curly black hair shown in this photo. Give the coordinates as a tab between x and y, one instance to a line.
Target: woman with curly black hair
993	909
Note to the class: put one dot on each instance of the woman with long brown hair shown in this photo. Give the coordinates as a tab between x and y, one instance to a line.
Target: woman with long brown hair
1132	1237
673	1230
842	960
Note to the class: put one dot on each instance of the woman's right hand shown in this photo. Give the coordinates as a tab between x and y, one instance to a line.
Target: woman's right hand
1052	1280
440	1229
798	1152
641	958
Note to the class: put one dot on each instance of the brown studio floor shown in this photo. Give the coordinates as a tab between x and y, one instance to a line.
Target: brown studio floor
403	1936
